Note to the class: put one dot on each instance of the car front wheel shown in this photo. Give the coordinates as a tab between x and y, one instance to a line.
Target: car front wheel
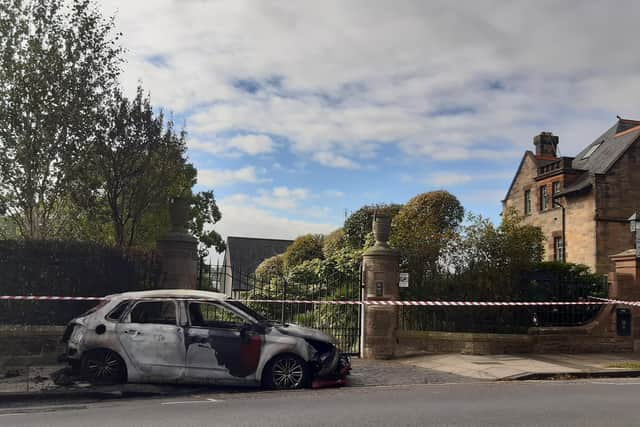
103	367
286	372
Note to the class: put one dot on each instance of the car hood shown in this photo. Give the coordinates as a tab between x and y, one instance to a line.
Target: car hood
302	332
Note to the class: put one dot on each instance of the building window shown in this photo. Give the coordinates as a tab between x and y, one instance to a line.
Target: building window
555	189
527	202
591	150
558	249
544	198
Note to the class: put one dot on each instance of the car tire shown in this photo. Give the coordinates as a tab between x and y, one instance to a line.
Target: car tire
102	367
286	372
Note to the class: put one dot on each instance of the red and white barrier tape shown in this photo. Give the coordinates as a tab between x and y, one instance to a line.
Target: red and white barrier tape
435	303
617	301
48	298
368	302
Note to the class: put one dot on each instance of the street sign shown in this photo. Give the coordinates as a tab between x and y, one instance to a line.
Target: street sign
404	280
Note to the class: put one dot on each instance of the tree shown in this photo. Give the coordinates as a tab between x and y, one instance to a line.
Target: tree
59	62
488	261
271	268
422	228
135	168
204	214
303	248
333	242
359	224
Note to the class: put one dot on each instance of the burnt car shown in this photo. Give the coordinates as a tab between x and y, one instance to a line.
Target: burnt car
189	336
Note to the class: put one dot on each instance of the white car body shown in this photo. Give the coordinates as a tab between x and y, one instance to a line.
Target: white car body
183	347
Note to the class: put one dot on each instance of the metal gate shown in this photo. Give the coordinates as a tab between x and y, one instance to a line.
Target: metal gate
279	298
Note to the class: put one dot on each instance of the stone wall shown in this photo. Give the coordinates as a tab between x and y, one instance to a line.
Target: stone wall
411	343
19	341
524	180
580	229
598	336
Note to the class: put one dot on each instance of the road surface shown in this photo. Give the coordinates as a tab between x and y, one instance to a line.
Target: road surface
554	403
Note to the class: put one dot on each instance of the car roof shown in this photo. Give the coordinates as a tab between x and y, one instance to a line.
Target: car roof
170	293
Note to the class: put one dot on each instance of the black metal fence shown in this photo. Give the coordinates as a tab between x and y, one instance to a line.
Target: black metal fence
281	295
540	286
67	269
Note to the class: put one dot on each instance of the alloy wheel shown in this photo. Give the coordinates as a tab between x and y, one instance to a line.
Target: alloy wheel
288	373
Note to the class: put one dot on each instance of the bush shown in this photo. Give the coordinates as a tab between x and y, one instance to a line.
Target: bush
333	242
303	248
359	224
270	268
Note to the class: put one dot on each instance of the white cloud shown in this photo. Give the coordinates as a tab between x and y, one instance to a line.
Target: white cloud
282	198
221	177
252	144
341	80
334	160
241	144
240	218
450	179
333	193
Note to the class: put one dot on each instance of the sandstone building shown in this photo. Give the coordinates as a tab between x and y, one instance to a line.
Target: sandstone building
581	203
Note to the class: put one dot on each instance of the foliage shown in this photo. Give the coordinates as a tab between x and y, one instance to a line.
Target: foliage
204	214
422	228
59	62
303	248
134	169
76	156
359	224
270	268
333	242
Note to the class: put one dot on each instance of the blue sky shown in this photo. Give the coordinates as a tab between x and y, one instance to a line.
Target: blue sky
298	111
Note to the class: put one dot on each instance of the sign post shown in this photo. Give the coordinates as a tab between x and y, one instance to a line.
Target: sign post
404	280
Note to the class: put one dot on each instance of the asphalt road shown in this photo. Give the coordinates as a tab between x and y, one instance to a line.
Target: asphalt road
577	403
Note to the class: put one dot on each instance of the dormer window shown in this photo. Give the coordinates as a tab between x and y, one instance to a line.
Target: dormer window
591	150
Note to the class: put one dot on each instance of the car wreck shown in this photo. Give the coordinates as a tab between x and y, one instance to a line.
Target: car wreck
189	336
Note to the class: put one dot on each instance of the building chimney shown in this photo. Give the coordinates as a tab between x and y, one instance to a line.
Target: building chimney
546	144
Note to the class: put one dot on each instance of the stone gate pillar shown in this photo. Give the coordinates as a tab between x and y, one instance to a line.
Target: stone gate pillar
381	278
625	286
179	250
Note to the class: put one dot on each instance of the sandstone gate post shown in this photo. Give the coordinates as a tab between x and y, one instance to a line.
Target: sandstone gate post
381	277
179	250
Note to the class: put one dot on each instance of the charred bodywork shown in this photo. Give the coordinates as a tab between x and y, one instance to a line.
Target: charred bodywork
197	337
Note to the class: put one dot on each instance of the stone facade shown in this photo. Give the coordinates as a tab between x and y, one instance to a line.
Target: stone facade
599	189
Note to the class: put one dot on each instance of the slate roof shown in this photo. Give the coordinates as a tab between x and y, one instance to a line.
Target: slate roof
612	145
611	149
246	253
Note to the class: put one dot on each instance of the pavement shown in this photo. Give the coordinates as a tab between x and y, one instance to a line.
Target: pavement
43	381
528	366
548	403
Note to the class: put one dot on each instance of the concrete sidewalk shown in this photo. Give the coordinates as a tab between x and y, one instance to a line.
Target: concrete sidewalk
516	366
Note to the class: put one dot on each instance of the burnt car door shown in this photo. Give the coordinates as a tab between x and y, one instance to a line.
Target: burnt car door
222	345
152	339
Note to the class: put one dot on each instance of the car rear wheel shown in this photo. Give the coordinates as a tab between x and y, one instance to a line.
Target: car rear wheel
103	367
286	372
